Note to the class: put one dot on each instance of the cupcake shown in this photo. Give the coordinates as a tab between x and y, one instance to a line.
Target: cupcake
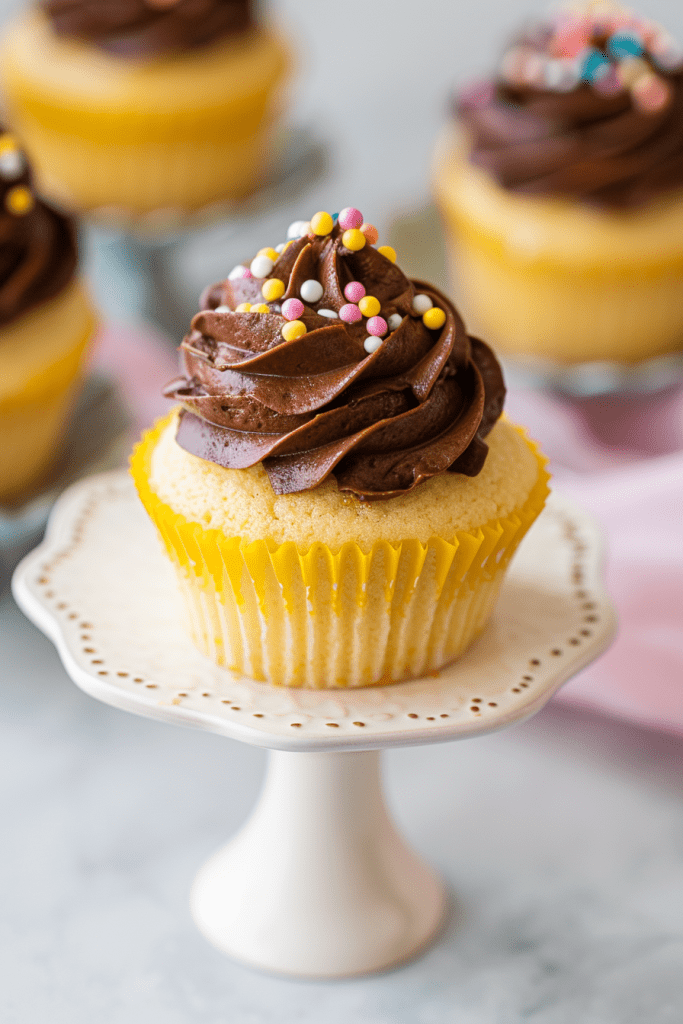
145	105
560	184
46	321
336	487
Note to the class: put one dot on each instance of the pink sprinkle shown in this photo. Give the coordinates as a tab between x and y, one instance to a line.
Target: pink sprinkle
239	272
608	84
350	313
377	325
292	309
650	93
371	233
350	217
570	39
354	291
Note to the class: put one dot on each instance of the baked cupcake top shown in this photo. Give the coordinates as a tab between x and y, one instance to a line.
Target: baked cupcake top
321	357
37	244
147	28
587	103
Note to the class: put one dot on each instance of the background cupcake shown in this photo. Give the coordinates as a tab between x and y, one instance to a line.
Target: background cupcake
144	105
561	188
325	491
46	322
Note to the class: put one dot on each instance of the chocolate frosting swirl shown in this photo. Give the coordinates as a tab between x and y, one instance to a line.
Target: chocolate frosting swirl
37	244
147	28
382	422
598	148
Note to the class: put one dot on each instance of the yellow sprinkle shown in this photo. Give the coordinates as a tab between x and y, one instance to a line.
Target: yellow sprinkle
369	305
434	318
321	223
261	308
293	329
354	239
273	289
388	252
8	144
287	245
272	254
19	200
243	307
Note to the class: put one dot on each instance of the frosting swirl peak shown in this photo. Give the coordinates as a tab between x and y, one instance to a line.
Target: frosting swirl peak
147	28
383	402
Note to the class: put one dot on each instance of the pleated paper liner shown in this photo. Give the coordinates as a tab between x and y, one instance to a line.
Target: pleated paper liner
321	618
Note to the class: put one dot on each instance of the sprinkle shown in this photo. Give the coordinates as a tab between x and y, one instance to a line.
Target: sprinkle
624	44
377	326
388	252
560	75
353	239
272	254
12	164
395	321
434	318
239	271
261	308
666	52
370	232
281	247
570	39
261	266
421	303
329	313
297	228
292	309
8	144
593	65
273	289
650	94
243	307
609	84
311	290
321	223
369	305
350	217
293	330
372	344
631	69
223	309
19	200
354	291
350	313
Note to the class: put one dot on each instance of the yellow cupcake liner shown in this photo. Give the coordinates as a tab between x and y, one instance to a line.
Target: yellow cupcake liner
176	133
321	618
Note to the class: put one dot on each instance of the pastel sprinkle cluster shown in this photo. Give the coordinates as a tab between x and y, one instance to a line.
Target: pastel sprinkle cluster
356	235
18	200
604	46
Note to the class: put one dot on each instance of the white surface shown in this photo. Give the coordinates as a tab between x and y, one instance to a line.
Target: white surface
318	883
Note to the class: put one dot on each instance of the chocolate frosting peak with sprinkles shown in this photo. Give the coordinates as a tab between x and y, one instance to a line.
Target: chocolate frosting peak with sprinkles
349	368
587	104
148	28
37	244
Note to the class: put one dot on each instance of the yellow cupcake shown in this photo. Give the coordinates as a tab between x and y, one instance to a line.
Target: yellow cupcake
332	510
46	322
563	201
137	133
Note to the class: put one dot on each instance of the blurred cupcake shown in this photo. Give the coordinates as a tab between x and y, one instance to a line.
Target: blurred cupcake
145	105
560	184
324	488
46	322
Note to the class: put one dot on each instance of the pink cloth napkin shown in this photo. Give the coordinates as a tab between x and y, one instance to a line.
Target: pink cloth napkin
620	458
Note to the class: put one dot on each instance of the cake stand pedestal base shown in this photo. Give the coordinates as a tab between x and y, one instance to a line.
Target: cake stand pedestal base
319	883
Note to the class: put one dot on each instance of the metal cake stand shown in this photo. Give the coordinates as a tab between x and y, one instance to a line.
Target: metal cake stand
318	883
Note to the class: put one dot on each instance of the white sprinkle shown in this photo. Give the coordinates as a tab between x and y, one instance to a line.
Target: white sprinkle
236	272
421	303
222	309
280	247
371	344
328	313
394	321
261	266
311	291
12	164
297	228
560	75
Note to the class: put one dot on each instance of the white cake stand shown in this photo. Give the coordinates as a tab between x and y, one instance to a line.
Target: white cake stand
318	883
